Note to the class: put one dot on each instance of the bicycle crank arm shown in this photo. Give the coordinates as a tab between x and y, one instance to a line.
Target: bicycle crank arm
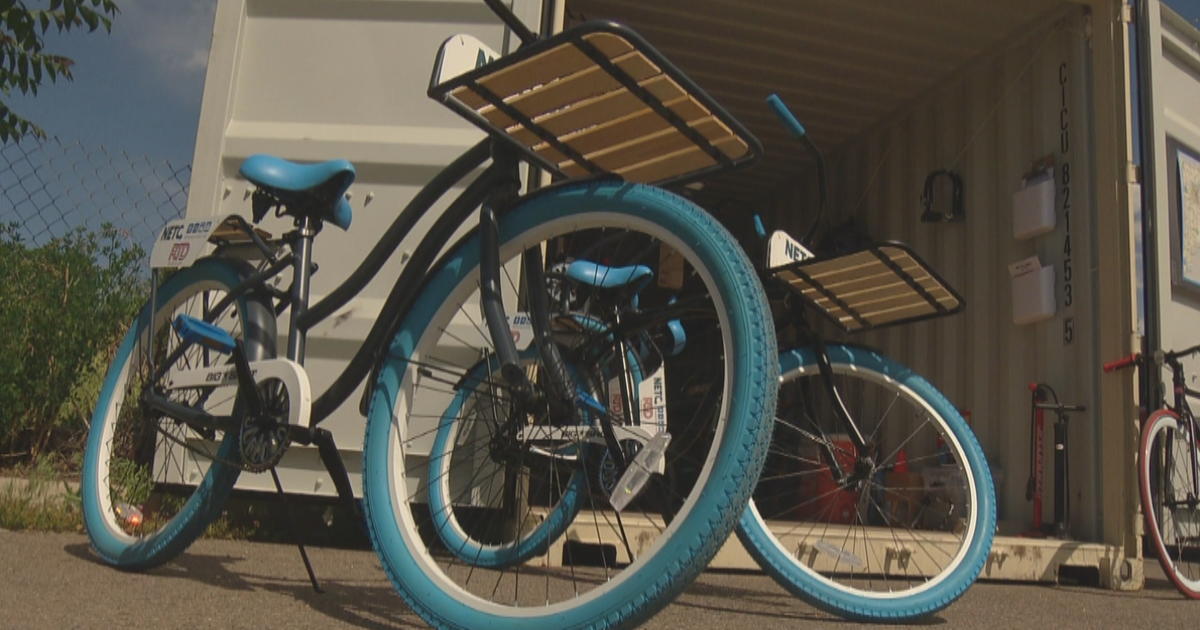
196	419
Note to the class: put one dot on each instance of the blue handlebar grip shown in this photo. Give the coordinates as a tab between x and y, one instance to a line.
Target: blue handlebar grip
786	116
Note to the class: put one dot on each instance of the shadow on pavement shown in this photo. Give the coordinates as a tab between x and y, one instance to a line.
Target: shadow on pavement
352	602
770	602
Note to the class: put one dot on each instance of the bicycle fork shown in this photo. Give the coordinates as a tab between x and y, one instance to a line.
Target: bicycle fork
1188	434
864	460
558	385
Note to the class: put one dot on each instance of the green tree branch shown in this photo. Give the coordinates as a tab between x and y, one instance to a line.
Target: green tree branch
24	64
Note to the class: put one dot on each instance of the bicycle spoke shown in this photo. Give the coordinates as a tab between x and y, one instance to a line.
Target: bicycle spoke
881	529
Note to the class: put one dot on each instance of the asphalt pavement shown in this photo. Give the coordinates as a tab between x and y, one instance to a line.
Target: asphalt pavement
54	581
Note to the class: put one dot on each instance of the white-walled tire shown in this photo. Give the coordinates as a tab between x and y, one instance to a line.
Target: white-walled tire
891	546
674	528
151	485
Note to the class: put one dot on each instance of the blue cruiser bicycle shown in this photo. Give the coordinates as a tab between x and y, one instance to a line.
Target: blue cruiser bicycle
875	502
596	354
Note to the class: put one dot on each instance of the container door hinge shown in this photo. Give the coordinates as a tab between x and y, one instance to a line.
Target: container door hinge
1133	173
1128	15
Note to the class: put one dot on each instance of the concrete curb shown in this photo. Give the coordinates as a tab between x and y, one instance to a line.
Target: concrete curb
43	488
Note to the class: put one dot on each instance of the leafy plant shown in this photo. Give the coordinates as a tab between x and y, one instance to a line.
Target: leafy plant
42	502
64	308
132	480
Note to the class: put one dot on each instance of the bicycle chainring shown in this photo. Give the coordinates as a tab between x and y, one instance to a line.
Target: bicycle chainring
263	440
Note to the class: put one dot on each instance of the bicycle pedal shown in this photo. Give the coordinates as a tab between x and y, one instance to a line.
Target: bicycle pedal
647	461
200	332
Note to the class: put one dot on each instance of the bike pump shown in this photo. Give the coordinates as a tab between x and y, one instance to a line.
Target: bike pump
1041	394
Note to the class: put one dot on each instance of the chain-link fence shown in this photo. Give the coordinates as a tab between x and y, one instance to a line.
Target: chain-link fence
50	187
71	285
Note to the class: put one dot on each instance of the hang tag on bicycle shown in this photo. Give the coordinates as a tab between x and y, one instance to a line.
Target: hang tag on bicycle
521	329
782	250
652	401
459	55
182	241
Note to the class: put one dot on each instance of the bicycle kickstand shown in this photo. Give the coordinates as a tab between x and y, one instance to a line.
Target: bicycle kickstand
296	535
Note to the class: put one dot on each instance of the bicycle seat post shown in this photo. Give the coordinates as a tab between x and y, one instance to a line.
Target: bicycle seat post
302	240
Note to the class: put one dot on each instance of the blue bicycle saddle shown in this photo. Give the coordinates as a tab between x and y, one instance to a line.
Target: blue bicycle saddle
605	277
319	189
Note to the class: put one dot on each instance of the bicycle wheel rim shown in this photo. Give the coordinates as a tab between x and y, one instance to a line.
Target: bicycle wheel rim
151	486
639	587
840	562
1164	477
458	421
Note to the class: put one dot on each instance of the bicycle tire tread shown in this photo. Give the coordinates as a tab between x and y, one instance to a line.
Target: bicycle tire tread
749	455
774	564
1147	501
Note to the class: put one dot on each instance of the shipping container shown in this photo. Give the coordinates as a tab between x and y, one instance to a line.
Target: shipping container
1031	106
317	80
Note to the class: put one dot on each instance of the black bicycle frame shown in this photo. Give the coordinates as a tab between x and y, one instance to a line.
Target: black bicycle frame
494	187
493	191
825	367
1181	392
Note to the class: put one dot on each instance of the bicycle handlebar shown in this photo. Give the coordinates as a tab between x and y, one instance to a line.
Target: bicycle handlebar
1171	355
1060	407
1168	356
789	121
1123	362
786	115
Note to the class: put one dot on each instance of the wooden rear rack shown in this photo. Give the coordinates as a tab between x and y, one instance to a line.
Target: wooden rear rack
598	99
883	285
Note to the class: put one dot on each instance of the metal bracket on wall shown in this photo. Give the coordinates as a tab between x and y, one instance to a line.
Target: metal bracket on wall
955	210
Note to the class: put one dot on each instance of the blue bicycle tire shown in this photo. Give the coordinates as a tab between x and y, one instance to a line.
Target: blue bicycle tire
694	533
106	475
453	535
776	549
